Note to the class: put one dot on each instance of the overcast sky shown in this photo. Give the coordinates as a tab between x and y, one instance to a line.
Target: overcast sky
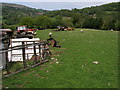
59	4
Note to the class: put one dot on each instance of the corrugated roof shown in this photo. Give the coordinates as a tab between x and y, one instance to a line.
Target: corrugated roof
6	30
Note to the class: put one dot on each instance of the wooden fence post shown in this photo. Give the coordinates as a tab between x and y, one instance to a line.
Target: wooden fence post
44	51
39	49
7	63
23	54
35	55
39	52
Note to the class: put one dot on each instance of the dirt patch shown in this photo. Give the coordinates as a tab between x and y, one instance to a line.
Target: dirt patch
20	86
58	52
55	55
43	66
35	57
40	76
27	73
53	61
63	48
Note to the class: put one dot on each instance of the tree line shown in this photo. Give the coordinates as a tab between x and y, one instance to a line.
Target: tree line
77	21
104	17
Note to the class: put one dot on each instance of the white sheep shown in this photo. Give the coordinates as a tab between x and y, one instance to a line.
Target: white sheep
57	62
50	34
112	30
81	31
95	62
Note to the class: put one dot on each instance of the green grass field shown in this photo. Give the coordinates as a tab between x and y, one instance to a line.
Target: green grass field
75	68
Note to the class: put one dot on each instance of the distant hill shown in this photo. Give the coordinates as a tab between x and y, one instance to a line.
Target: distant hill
98	17
12	13
110	8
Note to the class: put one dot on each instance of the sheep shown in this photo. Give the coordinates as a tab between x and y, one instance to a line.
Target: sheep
81	31
112	30
50	34
95	62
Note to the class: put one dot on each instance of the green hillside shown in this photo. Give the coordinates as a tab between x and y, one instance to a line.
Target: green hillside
111	7
12	13
97	17
104	17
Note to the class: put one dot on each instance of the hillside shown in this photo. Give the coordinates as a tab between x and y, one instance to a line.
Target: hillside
111	7
12	13
98	17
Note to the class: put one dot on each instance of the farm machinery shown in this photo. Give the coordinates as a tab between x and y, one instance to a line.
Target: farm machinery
24	32
69	28
62	28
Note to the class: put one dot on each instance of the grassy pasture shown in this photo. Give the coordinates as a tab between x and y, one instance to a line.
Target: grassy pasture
75	68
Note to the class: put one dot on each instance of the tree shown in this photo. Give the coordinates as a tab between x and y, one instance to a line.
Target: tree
67	21
117	25
109	23
89	22
98	22
58	21
28	21
75	18
43	22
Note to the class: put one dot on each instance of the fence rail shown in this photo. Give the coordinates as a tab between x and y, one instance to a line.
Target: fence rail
21	46
44	54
